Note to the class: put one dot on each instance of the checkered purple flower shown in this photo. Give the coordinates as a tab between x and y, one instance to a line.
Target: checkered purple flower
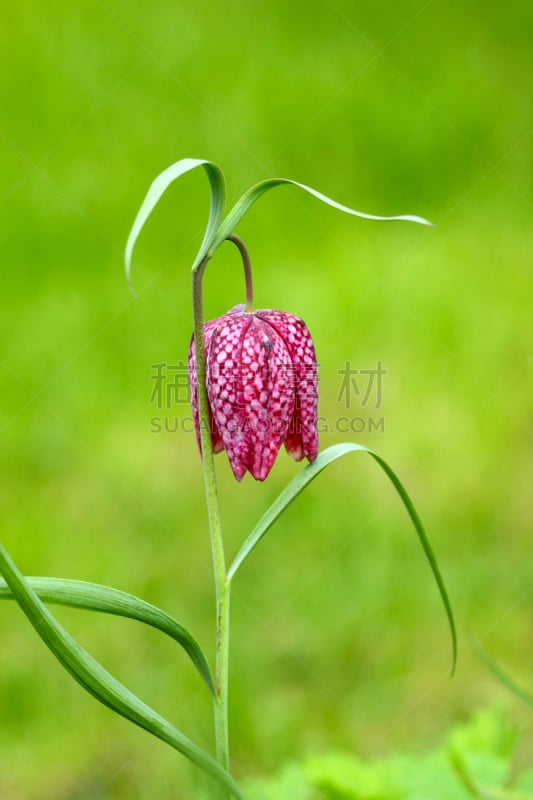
261	376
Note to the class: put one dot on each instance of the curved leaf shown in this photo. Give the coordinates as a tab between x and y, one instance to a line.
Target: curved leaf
304	477
100	683
157	189
255	192
96	597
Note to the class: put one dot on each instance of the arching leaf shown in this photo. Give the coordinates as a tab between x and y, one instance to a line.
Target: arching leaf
157	189
96	597
255	192
100	683
304	478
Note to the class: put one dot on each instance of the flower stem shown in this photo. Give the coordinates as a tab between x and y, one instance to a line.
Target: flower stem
222	585
247	270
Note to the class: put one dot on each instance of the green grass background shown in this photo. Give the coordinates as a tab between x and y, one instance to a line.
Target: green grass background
339	639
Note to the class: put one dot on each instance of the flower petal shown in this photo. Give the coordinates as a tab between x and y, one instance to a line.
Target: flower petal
216	439
224	387
209	329
302	436
251	392
268	395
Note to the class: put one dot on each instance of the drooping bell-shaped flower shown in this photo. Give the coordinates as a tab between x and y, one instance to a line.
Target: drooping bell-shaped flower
261	377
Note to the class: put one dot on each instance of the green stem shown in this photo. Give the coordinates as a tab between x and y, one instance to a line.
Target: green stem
247	270
217	545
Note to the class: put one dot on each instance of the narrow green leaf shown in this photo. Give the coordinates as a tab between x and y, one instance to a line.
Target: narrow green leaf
255	192
304	477
499	673
100	683
96	597
157	189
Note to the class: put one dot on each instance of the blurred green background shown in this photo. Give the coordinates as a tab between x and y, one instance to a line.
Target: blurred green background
339	638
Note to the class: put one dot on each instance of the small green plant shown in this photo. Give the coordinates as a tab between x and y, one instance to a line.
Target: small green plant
474	761
253	381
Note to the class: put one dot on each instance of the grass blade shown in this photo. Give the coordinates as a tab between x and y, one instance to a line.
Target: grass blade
100	683
96	597
158	188
304	478
255	192
498	673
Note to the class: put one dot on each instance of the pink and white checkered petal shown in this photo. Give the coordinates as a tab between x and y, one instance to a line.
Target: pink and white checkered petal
209	328
302	438
268	395
191	369
293	441
216	438
225	387
307	409
295	334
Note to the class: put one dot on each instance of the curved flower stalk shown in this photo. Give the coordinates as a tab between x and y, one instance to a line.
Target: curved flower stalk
253	378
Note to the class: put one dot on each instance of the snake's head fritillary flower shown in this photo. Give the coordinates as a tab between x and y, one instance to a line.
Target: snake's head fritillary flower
261	377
